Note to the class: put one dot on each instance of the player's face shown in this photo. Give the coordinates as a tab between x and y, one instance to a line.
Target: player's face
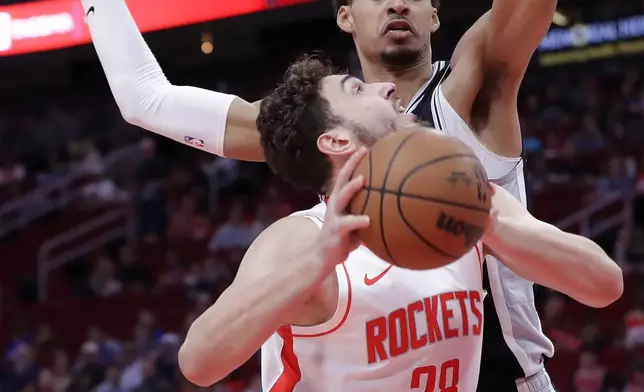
396	31
368	112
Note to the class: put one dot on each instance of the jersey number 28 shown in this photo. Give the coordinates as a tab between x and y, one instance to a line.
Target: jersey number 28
447	377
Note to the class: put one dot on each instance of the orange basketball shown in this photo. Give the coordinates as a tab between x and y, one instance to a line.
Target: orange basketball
427	196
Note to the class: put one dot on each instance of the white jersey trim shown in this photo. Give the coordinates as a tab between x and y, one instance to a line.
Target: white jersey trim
344	292
417	98
341	311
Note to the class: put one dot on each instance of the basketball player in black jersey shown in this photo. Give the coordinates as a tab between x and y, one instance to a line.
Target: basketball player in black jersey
473	97
475	93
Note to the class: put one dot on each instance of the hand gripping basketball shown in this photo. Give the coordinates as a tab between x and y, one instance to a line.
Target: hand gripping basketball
337	238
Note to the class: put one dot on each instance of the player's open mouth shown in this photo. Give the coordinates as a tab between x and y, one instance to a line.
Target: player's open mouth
398	28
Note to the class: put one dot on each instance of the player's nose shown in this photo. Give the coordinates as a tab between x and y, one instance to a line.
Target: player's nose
398	7
387	90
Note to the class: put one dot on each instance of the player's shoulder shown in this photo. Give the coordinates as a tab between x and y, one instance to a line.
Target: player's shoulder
286	235
283	240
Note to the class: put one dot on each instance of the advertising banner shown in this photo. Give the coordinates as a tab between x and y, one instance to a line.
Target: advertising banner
54	24
585	42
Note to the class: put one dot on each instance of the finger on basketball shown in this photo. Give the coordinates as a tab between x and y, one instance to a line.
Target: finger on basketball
349	167
351	223
347	192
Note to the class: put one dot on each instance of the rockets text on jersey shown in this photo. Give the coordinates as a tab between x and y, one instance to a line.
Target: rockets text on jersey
393	330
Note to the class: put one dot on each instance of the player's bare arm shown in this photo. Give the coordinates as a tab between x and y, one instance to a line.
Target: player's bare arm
281	281
277	278
219	123
488	65
540	252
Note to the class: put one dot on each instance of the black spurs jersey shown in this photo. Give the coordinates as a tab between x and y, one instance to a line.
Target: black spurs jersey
514	345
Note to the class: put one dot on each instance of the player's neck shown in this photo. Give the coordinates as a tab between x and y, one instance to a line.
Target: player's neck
408	80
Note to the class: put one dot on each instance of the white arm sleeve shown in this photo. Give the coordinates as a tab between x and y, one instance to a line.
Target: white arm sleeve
142	92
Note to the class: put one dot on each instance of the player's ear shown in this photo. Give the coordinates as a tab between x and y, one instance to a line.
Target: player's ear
436	23
344	19
338	141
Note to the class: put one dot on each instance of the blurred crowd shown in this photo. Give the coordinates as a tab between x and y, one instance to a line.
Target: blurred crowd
145	363
41	141
584	125
196	214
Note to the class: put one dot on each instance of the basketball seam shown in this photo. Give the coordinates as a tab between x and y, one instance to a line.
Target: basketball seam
399	197
369	188
382	195
435	161
431	200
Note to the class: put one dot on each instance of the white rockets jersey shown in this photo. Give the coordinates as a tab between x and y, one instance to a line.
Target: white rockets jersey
513	295
393	330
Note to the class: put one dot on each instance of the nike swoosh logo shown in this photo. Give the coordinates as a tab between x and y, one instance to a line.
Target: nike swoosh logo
371	281
89	11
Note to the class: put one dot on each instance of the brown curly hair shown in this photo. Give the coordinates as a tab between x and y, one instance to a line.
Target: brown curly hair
339	3
290	121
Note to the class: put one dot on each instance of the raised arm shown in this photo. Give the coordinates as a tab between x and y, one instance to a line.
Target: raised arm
540	252
513	31
221	124
488	65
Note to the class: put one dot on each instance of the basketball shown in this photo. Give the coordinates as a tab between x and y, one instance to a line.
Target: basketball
427	196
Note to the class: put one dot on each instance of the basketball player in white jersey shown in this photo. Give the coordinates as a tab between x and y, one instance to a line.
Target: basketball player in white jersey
473	97
330	316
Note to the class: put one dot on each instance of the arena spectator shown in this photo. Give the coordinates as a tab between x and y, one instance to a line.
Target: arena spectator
166	360
590	376
24	369
635	381
135	275
562	333
88	371
152	381
103	281
11	172
111	382
132	374
143	339
109	350
235	232
57	377
173	272
634	321
147	322
101	188
187	223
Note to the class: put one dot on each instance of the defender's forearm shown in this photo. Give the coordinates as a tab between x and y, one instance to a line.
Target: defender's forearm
569	263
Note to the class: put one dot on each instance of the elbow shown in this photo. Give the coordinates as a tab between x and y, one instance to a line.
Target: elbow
130	114
195	369
126	97
132	111
609	287
135	101
614	285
